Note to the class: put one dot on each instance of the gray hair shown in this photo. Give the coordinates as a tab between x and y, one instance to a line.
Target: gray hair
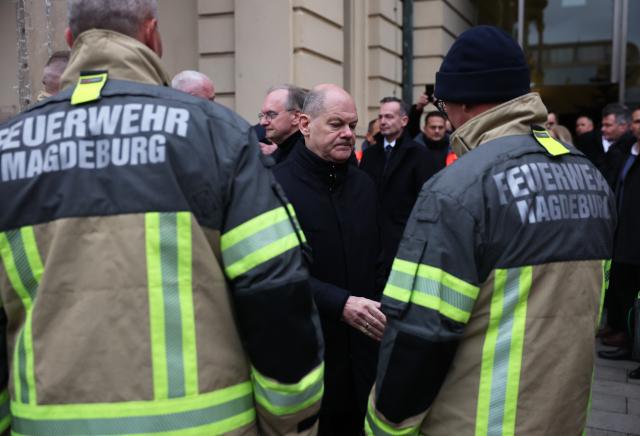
314	103
404	108
621	112
123	16
184	79
295	96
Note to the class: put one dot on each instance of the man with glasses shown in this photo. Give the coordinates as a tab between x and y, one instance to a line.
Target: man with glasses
494	296
280	117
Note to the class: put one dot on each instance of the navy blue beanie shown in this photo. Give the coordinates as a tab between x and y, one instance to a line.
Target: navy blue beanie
484	65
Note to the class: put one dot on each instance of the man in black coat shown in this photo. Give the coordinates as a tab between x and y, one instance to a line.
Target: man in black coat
399	167
280	117
336	206
436	140
624	281
614	134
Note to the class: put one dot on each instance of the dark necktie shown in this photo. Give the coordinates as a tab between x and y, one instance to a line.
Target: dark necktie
387	152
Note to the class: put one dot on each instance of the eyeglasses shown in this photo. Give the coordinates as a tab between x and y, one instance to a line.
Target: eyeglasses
271	115
441	106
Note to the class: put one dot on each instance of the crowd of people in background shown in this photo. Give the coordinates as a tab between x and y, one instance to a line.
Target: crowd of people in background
422	135
353	204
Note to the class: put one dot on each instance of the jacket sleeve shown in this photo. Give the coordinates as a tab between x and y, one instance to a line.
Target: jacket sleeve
278	321
329	298
428	300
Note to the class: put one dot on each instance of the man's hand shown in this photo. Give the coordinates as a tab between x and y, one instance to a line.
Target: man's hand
423	100
267	149
365	315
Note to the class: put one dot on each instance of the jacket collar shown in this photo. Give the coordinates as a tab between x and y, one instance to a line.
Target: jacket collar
125	58
514	117
403	141
331	174
403	144
290	141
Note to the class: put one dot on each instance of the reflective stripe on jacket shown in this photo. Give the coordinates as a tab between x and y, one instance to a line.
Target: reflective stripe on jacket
151	269
495	293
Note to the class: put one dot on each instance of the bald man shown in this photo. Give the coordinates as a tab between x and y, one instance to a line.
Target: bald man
52	72
194	83
336	205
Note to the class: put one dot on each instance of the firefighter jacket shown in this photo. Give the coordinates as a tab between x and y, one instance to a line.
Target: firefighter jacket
151	273
494	296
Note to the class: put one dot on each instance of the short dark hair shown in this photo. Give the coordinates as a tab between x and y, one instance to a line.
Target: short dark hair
370	126
434	114
404	108
621	112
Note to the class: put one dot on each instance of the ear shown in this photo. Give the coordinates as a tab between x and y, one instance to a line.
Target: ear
303	124
68	36
151	36
296	117
404	120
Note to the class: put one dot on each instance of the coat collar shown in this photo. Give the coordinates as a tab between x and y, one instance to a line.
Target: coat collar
125	58
403	144
513	117
331	174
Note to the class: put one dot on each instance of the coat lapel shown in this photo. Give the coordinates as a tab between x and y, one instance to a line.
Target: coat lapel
397	156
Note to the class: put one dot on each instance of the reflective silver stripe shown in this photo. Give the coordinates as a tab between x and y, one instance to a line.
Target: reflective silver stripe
289	401
239	408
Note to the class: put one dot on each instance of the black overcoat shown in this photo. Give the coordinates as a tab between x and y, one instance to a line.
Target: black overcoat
626	247
398	184
337	209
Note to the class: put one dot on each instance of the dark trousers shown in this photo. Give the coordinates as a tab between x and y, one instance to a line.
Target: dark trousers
624	285
348	381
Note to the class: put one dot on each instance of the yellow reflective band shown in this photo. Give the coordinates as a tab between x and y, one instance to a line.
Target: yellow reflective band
450	281
552	145
156	307
295	221
89	88
251	227
187	312
374	426
303	384
397	293
606	270
488	354
131	408
502	353
217	412
12	271
404	266
517	348
434	289
439	305
20	255
438	275
262	255
285	399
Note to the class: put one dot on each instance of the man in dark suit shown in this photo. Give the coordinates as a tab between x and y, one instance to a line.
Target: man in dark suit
336	206
614	134
399	166
624	280
280	118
